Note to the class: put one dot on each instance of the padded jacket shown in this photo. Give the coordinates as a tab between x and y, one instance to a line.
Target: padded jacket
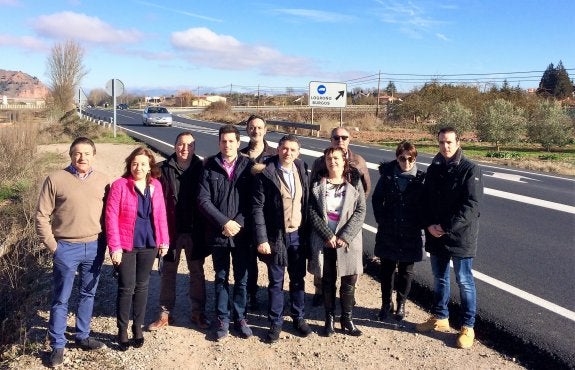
268	211
398	215
221	199
121	213
452	194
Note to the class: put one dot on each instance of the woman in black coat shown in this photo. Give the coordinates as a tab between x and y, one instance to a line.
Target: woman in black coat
398	242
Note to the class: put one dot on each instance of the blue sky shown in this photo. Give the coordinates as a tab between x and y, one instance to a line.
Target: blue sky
219	45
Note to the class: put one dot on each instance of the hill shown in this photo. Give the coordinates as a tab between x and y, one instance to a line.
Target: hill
17	84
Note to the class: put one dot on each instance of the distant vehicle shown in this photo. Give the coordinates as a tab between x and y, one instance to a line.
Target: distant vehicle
122	106
157	116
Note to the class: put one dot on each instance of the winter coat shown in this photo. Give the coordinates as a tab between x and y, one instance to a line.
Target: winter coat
356	161
398	216
221	199
452	194
349	259
122	211
268	212
180	193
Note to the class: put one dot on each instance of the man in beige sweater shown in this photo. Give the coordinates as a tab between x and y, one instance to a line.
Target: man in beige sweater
69	223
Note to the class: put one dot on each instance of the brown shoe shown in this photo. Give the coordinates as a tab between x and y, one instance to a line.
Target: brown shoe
160	323
200	321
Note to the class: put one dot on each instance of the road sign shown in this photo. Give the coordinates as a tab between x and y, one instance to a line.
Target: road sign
114	87
327	94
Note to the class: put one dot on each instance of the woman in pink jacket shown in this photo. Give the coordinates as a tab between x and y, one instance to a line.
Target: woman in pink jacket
136	228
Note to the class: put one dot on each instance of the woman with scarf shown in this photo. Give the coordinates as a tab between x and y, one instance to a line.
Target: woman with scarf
337	211
398	242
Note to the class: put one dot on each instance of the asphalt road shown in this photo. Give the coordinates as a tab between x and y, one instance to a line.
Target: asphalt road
524	266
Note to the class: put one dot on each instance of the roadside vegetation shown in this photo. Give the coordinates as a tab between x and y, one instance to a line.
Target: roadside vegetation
25	275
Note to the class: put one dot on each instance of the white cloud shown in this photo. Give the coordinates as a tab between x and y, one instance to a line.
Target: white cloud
411	18
315	15
70	25
204	47
24	42
9	2
442	37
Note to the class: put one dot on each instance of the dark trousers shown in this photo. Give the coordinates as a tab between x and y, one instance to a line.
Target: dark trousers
329	279
133	281
221	260
404	278
252	285
296	272
197	283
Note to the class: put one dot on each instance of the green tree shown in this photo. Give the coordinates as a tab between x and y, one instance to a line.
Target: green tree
501	123
453	114
390	89
564	87
65	71
550	126
555	82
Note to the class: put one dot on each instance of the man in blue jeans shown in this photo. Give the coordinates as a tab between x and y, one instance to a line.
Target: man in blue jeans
452	192
69	223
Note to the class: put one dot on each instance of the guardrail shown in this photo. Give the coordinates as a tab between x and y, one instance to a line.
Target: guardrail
106	122
295	125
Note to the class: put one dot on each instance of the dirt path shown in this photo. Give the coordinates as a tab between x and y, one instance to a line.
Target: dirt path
388	345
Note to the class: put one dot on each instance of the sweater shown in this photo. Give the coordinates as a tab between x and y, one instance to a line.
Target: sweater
70	208
121	213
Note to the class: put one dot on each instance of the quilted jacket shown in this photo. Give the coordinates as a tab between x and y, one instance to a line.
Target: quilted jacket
121	213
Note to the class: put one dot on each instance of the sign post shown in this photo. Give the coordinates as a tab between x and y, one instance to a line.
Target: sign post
328	95
114	87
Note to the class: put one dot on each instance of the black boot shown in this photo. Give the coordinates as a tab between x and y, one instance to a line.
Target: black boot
400	313
328	329
328	293
347	299
386	311
138	336
123	342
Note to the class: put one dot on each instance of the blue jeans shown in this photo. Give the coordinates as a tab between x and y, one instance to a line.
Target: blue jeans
464	278
86	258
221	261
296	272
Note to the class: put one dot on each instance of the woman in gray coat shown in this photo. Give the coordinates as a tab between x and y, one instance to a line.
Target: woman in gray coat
337	211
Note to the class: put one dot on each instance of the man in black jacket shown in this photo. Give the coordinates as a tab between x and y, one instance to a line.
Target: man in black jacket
279	214
258	150
180	180
452	192
224	200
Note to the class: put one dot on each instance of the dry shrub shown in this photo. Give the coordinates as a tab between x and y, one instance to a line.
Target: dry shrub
22	261
17	147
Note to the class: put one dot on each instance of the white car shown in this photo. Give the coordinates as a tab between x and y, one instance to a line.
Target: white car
156	116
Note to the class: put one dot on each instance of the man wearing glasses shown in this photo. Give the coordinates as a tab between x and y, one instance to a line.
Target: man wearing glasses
340	138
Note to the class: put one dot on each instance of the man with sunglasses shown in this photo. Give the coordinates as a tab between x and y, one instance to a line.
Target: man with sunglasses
452	192
340	138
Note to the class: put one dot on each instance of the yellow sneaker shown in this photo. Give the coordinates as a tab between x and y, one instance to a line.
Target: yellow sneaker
433	323
465	337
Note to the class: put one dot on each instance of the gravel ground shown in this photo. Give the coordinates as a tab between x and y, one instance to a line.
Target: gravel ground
389	345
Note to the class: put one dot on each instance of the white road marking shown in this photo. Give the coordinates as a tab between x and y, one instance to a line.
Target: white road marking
508	177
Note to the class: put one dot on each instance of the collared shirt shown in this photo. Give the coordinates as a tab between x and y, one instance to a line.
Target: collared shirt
79	175
230	167
289	178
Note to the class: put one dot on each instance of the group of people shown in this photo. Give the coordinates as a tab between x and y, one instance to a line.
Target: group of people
257	203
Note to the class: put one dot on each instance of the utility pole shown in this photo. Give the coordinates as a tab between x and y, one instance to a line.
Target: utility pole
258	104
378	84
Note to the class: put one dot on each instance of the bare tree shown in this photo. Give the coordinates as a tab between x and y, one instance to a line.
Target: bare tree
65	70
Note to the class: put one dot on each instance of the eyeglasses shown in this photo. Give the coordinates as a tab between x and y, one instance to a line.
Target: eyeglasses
403	158
338	138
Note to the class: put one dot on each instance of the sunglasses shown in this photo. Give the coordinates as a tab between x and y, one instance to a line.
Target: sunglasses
337	137
403	158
